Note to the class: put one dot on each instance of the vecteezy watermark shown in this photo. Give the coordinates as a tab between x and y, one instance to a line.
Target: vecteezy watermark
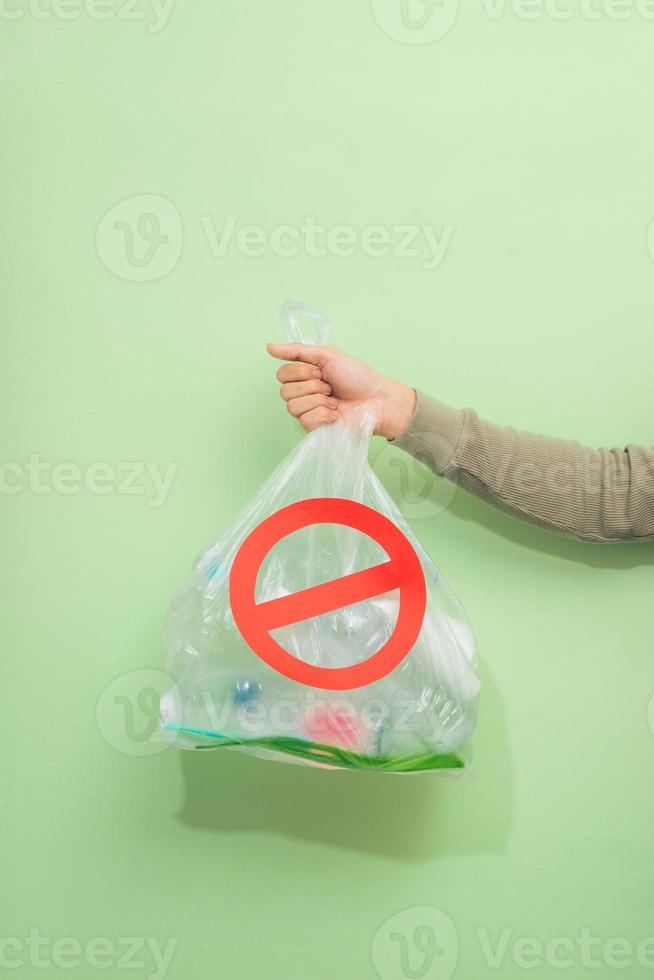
422	942
417	942
241	708
40	476
316	240
144	953
565	952
140	239
286	716
523	481
142	712
425	21
128	712
564	10
154	13
416	488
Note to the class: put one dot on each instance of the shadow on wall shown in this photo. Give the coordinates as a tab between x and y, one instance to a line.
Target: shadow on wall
596	554
407	817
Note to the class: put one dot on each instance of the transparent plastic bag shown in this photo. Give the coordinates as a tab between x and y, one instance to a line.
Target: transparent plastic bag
416	718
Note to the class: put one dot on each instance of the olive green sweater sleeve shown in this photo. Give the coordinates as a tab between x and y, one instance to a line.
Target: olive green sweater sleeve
596	495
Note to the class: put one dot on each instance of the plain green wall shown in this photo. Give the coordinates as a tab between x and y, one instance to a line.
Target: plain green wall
532	140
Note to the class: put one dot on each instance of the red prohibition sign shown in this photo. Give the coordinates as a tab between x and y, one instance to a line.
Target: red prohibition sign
402	571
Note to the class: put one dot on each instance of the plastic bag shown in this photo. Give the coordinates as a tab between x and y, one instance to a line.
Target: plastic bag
417	717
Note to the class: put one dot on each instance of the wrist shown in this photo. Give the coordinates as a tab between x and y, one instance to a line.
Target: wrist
399	403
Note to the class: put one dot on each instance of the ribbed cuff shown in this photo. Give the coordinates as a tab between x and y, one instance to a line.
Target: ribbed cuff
433	432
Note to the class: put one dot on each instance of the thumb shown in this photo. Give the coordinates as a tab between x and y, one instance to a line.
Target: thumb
309	353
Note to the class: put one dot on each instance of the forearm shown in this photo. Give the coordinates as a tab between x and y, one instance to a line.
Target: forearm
596	495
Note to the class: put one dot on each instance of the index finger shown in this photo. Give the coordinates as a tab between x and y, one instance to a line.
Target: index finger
298	371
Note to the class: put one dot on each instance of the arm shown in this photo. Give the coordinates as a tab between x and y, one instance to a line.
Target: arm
596	495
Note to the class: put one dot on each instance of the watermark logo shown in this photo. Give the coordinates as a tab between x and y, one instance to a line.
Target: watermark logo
650	239
415	21
418	492
418	943
140	239
650	714
128	712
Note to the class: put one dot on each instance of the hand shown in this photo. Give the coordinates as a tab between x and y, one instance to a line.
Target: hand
323	384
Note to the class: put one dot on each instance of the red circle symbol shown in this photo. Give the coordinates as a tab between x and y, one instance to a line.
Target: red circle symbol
402	571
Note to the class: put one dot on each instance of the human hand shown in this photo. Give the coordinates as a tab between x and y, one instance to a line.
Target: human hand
323	383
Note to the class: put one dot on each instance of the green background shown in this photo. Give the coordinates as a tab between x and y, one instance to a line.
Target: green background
532	139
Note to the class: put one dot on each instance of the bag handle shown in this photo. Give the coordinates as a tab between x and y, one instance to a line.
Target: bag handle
294	332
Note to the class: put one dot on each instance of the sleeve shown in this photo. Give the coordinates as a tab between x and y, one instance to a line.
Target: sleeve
594	495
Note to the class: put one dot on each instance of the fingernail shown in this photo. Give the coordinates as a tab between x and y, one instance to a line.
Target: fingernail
316	373
333	403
